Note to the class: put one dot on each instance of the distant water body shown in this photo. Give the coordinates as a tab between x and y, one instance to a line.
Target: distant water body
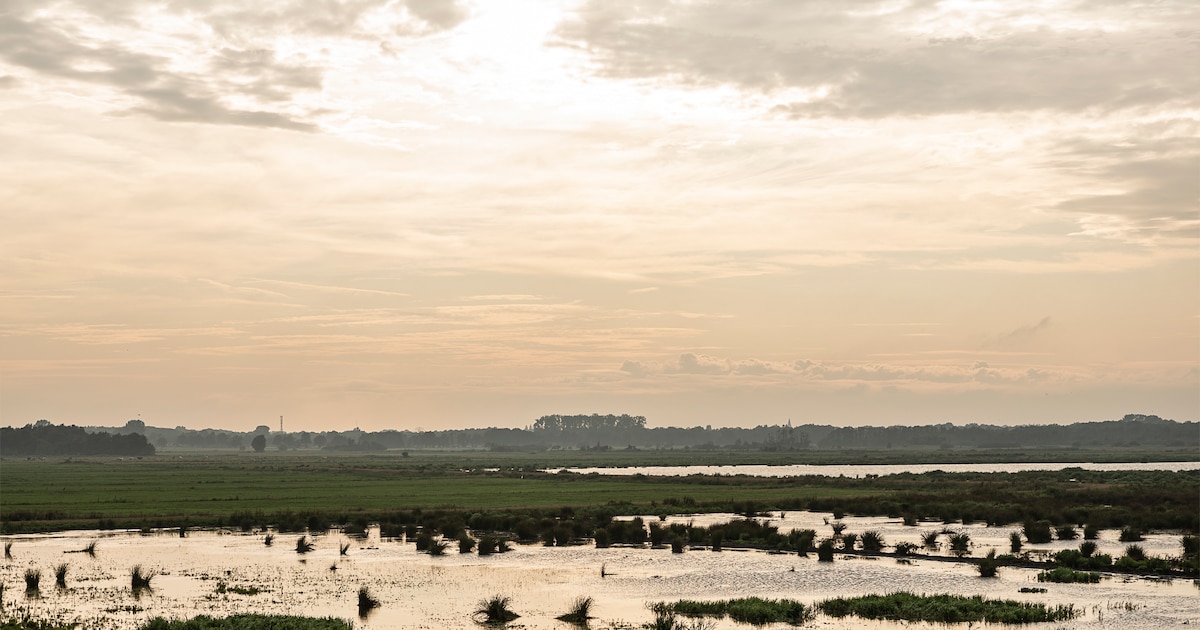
851	470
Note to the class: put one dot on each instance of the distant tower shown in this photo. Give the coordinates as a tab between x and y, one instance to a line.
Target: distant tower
281	424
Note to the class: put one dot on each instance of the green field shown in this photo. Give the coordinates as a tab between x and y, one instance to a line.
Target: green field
174	489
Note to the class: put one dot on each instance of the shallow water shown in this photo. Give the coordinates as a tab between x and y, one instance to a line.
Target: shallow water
420	591
857	470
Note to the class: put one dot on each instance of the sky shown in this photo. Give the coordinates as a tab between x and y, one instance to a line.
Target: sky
425	214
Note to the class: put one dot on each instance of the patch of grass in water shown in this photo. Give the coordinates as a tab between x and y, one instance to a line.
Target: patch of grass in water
495	610
29	623
944	609
60	575
752	610
303	545
1063	575
580	611
223	588
140	579
249	622
366	601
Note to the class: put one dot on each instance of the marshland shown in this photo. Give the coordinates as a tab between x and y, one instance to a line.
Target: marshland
395	542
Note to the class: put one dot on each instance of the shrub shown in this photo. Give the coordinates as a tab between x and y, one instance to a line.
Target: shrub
872	541
495	610
1066	532
825	551
268	539
905	548
1090	532
466	544
677	545
1037	533
1131	534
437	547
60	575
930	539
603	538
1191	545
304	545
1087	548
1014	540
715	541
848	540
1135	552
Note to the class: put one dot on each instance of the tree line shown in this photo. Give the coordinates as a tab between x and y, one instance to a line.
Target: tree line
43	438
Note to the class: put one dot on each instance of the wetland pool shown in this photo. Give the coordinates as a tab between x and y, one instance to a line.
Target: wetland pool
421	591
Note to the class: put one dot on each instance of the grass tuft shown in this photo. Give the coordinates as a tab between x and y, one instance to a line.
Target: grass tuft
60	575
343	549
32	578
495	610
580	611
140	580
304	545
248	622
269	539
1064	575
366	601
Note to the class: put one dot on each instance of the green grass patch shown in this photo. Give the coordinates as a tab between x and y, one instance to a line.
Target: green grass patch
944	609
1063	575
752	610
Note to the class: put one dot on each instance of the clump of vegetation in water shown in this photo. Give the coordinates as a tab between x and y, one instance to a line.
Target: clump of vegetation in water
248	622
1031	589
495	610
1037	532
944	609
269	539
960	544
825	551
665	619
872	541
752	610
1131	534
223	588
1066	532
1090	532
848	540
60	575
580	611
988	565
366	601
437	547
603	538
33	578
905	548
343	549
677	544
1065	575
140	579
1014	540
466	544
930	540
8	551
304	545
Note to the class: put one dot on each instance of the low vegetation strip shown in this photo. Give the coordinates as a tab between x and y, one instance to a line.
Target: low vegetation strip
249	622
752	610
944	609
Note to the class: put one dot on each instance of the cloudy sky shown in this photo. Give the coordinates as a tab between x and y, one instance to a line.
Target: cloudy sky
427	213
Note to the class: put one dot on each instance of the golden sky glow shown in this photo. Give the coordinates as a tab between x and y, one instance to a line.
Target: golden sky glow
426	213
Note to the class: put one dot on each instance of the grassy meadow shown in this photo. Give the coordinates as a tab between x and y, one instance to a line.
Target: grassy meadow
205	489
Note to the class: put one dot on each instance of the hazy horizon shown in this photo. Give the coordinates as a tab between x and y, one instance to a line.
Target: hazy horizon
449	214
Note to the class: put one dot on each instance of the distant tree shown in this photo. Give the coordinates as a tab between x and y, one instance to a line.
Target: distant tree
135	426
259	443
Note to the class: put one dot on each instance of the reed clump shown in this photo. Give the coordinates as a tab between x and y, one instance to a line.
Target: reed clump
60	575
580	611
343	549
752	610
366	601
139	578
304	545
495	610
33	578
1064	575
269	539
